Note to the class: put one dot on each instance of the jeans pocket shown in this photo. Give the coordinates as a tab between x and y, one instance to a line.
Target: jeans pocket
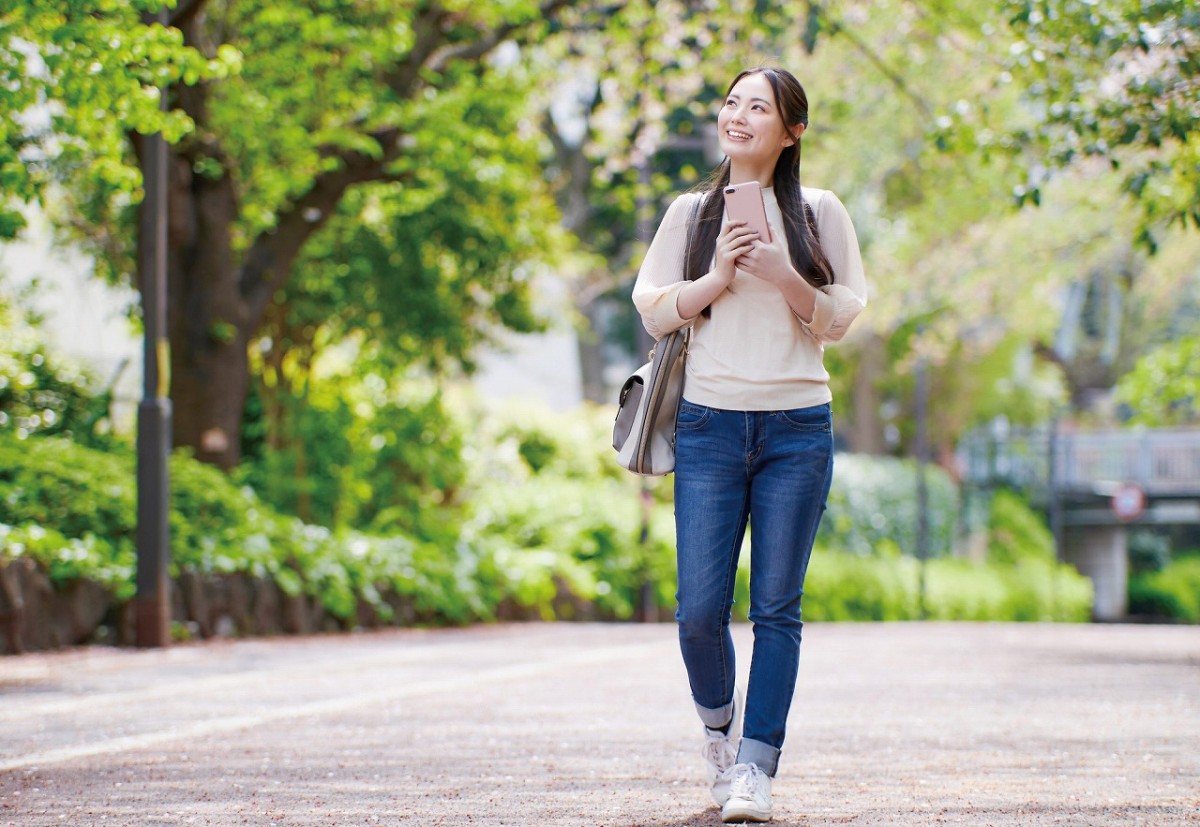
817	419
692	417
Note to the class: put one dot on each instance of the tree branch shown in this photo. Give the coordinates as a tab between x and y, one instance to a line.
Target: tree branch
476	49
185	12
269	260
427	34
836	28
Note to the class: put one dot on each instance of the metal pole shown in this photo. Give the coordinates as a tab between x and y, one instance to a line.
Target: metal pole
648	608
1055	507
922	450
1054	494
152	603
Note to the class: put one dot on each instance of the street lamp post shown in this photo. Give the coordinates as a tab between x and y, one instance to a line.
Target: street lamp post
152	603
922	451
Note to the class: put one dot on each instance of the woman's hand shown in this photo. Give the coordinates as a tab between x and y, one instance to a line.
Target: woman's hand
735	241
769	262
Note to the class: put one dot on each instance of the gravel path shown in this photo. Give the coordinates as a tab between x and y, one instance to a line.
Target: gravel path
574	725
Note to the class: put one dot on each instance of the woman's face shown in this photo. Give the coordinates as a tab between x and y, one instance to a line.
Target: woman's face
749	127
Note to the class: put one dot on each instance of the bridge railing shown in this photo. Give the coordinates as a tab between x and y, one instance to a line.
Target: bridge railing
1164	462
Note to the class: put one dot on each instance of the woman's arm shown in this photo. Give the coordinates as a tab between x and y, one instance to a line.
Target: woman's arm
840	303
661	276
828	311
663	297
735	240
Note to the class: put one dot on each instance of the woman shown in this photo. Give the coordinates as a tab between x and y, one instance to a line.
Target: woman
753	436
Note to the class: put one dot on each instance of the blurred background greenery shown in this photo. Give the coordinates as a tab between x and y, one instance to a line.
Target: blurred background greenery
367	195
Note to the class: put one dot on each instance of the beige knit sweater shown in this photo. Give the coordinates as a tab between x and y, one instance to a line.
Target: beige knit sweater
753	353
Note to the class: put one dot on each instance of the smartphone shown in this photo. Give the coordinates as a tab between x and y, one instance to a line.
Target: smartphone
744	202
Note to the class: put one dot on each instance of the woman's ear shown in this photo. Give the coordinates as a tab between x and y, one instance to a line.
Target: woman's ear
796	132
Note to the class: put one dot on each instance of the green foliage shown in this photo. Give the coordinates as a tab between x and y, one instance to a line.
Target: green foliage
40	394
872	507
73	490
100	64
558	538
1149	550
421	273
72	558
842	586
1163	389
1017	533
1171	592
74	509
847	587
1118	81
556	514
1032	590
550	547
358	452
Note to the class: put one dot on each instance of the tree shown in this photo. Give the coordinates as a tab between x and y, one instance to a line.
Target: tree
1117	80
75	77
330	95
631	126
1163	389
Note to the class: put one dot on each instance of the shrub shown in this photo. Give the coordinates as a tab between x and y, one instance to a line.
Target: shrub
1171	592
848	587
75	490
41	394
1148	551
873	506
542	528
74	509
842	586
583	535
363	454
1016	532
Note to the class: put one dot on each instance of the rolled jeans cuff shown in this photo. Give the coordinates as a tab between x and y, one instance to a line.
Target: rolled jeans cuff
756	752
716	718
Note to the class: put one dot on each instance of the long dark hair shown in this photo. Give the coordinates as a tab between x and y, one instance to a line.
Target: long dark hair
799	224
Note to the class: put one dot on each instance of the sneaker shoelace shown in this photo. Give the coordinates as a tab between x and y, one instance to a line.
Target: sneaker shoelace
744	783
719	751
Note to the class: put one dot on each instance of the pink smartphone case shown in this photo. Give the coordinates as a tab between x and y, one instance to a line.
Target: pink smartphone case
744	202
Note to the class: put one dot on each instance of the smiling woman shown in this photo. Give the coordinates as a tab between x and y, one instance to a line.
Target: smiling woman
754	433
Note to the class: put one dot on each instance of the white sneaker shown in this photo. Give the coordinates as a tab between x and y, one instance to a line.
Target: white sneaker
720	752
749	795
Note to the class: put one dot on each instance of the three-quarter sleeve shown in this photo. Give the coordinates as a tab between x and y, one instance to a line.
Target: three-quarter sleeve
661	276
838	304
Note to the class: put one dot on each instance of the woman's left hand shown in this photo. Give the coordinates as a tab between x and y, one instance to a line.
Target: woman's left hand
769	262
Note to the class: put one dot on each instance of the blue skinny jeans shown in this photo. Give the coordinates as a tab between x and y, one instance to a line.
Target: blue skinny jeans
771	469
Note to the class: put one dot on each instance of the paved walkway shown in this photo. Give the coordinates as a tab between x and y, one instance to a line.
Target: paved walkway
591	726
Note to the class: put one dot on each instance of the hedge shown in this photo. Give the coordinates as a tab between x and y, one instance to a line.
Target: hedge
547	527
1172	592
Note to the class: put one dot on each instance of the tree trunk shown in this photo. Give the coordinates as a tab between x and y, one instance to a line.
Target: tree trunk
866	429
216	296
208	321
591	353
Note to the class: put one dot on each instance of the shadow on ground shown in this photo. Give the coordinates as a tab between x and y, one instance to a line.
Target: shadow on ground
708	818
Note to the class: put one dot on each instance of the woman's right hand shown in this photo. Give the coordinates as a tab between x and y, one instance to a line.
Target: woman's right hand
735	240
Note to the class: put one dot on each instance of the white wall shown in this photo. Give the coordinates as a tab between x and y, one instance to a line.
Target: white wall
86	321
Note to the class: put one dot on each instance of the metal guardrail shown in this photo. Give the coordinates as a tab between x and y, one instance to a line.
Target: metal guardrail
1163	462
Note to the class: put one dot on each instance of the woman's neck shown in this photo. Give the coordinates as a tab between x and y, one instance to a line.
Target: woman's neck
740	173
